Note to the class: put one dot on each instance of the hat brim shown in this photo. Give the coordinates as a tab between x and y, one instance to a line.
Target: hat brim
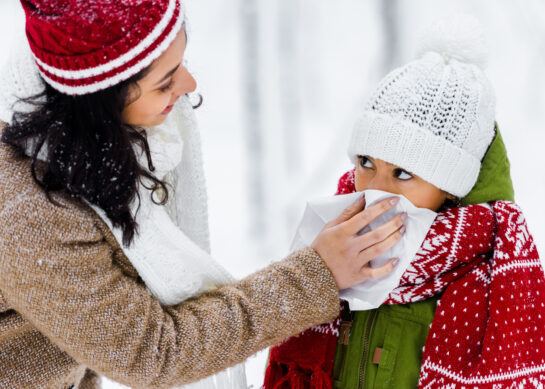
404	144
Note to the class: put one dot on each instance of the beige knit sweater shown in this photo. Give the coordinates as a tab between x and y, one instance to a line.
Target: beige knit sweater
71	304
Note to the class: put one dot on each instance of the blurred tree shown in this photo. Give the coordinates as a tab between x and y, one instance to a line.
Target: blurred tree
289	69
252	117
390	28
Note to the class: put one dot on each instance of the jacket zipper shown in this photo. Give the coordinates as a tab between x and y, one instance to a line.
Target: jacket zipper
344	334
366	347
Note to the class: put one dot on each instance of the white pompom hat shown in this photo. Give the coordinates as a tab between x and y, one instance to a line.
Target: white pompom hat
434	117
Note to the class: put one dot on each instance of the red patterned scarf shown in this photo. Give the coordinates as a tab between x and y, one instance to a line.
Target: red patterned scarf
489	327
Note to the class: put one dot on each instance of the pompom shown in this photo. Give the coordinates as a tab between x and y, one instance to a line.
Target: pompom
459	37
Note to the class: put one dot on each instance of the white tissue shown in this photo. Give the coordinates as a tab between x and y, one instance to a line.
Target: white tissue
371	293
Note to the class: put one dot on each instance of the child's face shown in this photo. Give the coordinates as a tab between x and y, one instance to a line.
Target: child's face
377	174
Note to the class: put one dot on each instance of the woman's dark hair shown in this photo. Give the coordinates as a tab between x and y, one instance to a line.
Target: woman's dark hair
87	150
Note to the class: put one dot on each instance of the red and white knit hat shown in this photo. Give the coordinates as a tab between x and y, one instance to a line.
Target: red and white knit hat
82	47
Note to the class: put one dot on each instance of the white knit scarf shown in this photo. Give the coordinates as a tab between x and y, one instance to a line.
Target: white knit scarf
171	250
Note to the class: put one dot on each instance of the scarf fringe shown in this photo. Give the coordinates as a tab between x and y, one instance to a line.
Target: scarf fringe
295	378
485	264
273	374
320	380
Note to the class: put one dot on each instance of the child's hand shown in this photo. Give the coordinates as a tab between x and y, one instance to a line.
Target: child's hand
348	254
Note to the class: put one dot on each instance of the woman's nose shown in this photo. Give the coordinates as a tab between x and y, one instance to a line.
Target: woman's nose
186	82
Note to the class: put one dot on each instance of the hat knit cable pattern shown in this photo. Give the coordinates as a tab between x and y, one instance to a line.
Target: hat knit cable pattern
84	47
434	116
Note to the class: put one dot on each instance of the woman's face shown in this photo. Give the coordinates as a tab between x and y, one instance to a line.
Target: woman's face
377	174
167	80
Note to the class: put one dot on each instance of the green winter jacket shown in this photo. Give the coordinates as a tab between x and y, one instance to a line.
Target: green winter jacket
384	346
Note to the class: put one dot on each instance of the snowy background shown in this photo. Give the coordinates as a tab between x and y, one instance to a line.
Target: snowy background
283	81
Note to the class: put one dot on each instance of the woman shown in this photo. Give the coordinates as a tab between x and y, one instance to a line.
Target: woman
105	266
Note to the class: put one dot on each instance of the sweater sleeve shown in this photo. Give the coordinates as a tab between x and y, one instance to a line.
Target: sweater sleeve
57	271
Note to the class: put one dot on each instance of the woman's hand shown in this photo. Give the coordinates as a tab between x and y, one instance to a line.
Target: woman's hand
348	254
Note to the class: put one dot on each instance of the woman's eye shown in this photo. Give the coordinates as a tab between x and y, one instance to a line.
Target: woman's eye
365	162
402	174
166	87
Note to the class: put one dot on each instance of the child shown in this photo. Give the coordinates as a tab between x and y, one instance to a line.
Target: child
472	293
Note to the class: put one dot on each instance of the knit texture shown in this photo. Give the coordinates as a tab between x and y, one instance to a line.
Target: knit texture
185	267
306	360
488	328
530	269
71	298
20	79
82	47
433	117
176	153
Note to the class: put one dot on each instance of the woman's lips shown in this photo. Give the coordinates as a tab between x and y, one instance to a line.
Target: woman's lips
167	109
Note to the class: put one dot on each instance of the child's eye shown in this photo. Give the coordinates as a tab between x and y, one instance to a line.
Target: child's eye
402	174
365	162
